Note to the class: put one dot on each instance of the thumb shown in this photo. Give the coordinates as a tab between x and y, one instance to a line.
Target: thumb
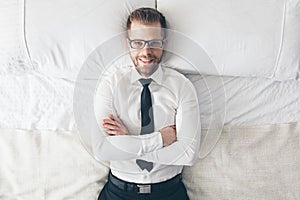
111	116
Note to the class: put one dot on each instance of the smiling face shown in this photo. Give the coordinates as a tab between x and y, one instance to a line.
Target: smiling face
146	60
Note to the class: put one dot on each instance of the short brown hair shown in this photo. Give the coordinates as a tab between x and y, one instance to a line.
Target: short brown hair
146	16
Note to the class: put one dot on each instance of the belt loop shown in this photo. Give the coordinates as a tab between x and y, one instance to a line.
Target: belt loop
125	187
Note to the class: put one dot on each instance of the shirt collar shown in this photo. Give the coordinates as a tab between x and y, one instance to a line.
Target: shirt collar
156	76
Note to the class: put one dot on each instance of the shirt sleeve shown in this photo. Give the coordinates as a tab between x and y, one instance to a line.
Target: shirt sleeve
122	147
185	150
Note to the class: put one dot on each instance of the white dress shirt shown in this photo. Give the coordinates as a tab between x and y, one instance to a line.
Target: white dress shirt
174	102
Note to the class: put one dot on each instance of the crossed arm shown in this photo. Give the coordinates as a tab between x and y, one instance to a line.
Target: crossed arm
115	126
175	145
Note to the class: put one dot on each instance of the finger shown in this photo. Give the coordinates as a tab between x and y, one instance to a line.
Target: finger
111	116
115	120
114	132
118	124
118	119
111	127
111	132
109	121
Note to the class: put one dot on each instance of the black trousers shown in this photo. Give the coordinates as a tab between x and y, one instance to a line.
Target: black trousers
112	192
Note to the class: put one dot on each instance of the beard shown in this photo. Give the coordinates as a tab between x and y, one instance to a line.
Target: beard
146	65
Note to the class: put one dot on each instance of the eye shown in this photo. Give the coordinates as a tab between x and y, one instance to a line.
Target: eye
137	43
156	43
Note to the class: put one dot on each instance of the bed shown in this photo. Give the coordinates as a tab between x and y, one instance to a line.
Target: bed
250	101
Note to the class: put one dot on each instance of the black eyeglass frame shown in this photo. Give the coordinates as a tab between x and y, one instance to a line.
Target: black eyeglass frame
146	42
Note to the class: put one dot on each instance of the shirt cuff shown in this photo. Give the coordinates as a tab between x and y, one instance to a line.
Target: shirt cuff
152	142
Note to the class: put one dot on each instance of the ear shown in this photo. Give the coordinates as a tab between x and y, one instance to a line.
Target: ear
127	43
165	41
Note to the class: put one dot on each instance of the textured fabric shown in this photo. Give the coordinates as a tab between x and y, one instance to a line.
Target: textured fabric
47	165
35	101
254	162
249	162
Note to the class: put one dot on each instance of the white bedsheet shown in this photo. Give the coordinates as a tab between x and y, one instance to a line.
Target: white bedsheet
248	101
36	102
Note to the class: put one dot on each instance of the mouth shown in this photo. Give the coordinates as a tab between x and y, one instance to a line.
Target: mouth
146	61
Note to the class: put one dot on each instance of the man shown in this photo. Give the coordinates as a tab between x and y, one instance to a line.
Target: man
154	129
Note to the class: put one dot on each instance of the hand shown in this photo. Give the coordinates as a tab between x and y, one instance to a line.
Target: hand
168	135
114	126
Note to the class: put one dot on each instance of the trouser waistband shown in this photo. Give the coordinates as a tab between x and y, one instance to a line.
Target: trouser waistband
144	188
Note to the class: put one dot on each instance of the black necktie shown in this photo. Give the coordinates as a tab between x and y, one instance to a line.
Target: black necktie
146	118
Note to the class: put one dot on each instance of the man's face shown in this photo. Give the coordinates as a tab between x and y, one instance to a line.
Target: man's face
146	59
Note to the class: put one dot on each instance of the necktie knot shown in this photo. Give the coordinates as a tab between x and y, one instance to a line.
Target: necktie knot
145	81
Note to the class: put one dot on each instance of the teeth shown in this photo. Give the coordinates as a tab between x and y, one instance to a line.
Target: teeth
145	60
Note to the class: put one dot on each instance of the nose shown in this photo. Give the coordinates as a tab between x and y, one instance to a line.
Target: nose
147	45
146	50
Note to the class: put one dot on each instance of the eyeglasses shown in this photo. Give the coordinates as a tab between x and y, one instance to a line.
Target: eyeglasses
140	44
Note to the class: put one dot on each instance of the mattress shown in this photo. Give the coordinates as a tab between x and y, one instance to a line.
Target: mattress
253	162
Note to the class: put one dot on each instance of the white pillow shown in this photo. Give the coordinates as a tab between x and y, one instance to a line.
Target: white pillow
61	34
242	38
13	55
289	62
